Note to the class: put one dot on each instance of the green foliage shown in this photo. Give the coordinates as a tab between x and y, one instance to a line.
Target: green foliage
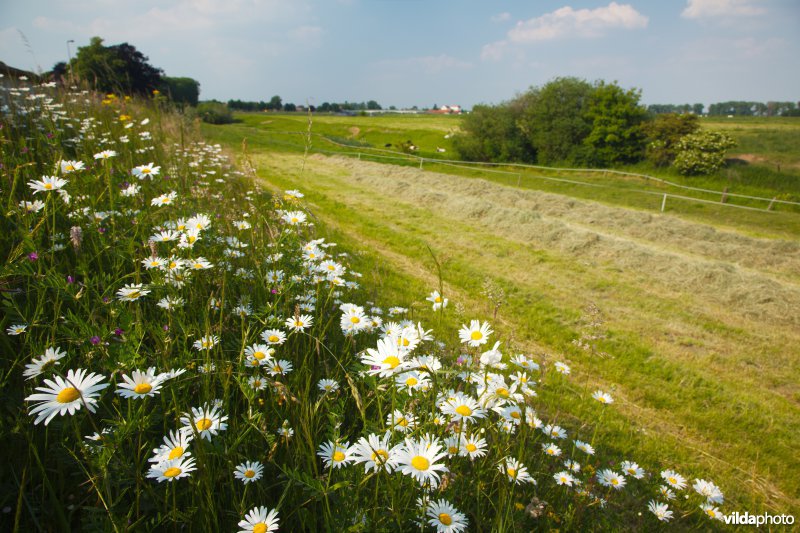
117	68
616	117
663	134
215	113
556	120
182	90
275	103
702	152
490	133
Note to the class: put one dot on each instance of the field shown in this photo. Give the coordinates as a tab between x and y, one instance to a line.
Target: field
689	317
286	332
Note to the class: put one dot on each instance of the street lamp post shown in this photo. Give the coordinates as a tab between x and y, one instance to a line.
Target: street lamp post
69	60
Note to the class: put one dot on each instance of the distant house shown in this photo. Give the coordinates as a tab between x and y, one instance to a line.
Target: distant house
447	110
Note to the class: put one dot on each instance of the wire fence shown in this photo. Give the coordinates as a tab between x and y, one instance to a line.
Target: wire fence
360	151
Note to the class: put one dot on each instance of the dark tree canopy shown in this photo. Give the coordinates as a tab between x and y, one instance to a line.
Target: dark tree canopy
118	68
182	90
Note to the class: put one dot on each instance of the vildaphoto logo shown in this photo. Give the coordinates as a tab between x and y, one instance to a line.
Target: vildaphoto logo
758	520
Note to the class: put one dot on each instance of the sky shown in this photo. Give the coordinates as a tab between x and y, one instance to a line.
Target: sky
426	52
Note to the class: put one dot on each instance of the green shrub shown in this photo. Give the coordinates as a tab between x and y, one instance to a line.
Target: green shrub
215	113
702	152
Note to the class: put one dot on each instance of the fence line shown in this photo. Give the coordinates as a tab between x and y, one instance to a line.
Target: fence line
469	165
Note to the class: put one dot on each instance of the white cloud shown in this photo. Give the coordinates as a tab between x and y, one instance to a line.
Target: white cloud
501	17
696	9
307	35
568	22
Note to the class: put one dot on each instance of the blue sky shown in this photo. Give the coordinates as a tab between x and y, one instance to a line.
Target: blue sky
421	52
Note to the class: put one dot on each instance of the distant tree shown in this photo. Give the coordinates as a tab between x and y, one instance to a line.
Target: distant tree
290	107
275	103
324	107
373	105
697	109
116	68
616	119
490	133
60	72
702	152
555	120
182	90
214	112
664	132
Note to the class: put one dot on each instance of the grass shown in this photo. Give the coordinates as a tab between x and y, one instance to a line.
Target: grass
664	342
208	311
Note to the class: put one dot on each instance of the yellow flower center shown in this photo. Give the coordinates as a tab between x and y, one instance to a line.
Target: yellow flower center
673	481
69	168
515	414
420	463
452	449
438	300
273	338
203	424
134	294
711	513
254	362
277	368
512	472
261	527
402	422
445	519
259	355
476	335
173	264
142	388
355	320
411	382
380	456
502	392
295	220
172	472
176	452
48	186
463	410
392	361
249	473
70	394
471	447
338	456
614	481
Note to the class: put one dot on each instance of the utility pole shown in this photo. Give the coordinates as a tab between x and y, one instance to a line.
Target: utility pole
69	60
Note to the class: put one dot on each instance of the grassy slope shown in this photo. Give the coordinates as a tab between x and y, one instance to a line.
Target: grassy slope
697	382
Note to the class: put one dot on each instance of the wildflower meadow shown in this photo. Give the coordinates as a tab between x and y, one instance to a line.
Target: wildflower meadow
186	350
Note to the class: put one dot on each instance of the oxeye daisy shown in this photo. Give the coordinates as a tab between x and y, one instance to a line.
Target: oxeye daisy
273	336
294	218
335	454
475	334
260	353
206	420
515	471
551	449
172	469
446	518
164	199
71	166
708	490
473	446
249	471
413	380
154	262
609	478
170	302
32	207
16	329
561	368
38	366
47	184
175	446
145	171
602	397
661	510
201	263
673	479
564	478
62	395
327	386
206	342
299	322
418	459
400	421
259	520
105	154
462	407
132	292
375	453
142	384
257	382
279	368
554	432
386	360
585	447
629	468
438	301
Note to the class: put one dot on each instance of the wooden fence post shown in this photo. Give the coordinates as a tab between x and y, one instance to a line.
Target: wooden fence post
771	203
664	202
724	196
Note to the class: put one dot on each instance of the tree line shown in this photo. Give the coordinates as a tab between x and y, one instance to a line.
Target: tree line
276	104
571	122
